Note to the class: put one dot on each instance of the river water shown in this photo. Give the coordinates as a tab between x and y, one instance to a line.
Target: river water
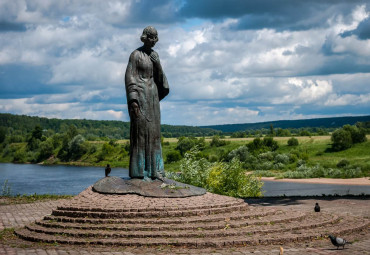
71	180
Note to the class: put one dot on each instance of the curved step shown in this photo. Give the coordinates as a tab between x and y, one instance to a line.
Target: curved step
238	215
159	214
225	228
150	209
185	225
347	225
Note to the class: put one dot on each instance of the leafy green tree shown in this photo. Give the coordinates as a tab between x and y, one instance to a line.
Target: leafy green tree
3	131
272	130
304	132
37	132
217	142
77	147
271	143
173	156
358	135
341	139
283	132
293	141
72	131
184	144
45	150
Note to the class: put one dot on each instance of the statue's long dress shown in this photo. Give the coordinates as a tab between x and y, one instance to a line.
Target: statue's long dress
146	85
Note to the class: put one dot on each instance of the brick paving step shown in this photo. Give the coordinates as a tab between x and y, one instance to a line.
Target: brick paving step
346	225
251	213
225	228
236	202
90	200
220	223
110	214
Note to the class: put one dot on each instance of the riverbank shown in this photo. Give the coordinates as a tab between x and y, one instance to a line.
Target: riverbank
352	181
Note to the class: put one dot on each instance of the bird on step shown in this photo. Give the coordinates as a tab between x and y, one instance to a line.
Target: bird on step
317	207
337	241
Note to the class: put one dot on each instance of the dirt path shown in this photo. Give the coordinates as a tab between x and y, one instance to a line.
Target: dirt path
353	181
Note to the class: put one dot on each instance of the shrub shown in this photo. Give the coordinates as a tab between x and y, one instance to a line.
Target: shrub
358	135
194	171
270	143
221	177
45	150
173	156
230	179
213	158
293	141
266	156
217	142
343	163
20	156
341	139
77	147
242	153
184	144
292	157
282	158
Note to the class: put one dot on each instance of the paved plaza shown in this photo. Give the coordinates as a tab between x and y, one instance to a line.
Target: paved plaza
18	215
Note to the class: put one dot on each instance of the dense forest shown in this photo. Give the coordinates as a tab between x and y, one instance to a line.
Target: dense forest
273	151
21	125
326	123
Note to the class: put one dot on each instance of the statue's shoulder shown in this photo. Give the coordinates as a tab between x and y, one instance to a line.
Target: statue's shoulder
155	53
135	53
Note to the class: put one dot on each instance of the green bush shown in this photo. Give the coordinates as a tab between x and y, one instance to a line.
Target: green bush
343	163
221	177
242	153
341	139
270	143
173	156
293	141
77	147
358	135
217	142
45	150
184	144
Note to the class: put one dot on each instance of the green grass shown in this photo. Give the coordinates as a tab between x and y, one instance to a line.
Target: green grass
21	199
7	233
314	150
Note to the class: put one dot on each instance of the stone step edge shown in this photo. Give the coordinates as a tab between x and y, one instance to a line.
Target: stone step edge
148	209
159	214
174	220
232	223
30	236
176	234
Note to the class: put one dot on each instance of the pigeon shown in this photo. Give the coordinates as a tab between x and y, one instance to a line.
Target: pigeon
337	241
317	207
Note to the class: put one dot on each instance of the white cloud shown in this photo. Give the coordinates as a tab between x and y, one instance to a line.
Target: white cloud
217	74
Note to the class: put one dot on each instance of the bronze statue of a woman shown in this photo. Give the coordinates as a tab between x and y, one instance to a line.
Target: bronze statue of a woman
146	85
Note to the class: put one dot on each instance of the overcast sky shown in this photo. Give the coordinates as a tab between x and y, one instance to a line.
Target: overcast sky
231	61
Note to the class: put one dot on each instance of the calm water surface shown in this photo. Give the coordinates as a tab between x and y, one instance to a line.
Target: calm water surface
71	180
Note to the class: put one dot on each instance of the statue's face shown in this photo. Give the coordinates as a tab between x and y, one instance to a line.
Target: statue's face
151	39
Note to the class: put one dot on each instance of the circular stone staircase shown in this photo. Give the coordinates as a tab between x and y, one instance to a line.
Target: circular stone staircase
207	220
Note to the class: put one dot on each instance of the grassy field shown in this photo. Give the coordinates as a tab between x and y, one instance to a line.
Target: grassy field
312	150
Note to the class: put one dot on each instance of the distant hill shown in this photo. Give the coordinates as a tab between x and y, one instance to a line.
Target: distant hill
22	124
333	122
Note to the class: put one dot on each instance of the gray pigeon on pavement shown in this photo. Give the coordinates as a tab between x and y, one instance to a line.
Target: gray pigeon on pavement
337	241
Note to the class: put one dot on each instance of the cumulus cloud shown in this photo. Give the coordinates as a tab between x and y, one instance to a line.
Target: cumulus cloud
243	61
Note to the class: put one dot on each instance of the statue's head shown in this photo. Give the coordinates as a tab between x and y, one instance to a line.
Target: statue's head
149	36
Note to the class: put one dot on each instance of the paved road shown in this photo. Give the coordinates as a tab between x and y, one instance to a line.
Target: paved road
13	216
